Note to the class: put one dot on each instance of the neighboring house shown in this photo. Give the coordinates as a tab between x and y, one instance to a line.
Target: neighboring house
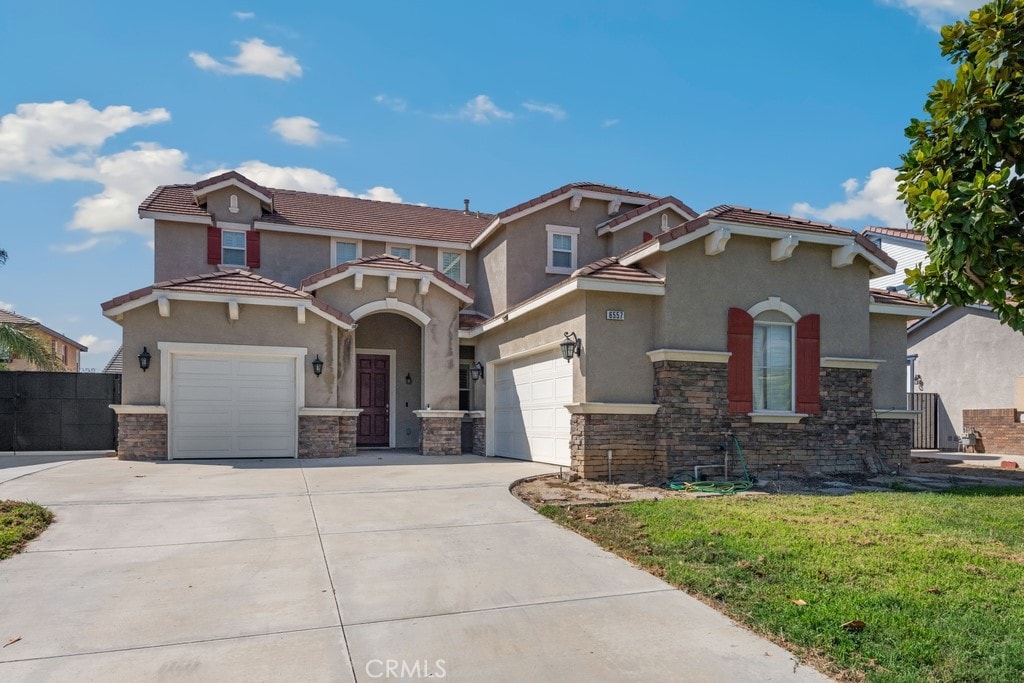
116	363
287	324
908	248
66	351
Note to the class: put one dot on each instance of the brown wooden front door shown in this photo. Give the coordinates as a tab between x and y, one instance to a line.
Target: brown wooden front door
373	382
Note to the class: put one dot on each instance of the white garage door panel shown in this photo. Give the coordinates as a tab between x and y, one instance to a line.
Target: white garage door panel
530	419
231	407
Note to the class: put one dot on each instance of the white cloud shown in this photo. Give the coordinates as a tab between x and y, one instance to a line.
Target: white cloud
58	140
254	58
481	109
307	180
302	130
244	16
553	110
75	248
6	306
936	13
877	198
392	103
97	345
608	123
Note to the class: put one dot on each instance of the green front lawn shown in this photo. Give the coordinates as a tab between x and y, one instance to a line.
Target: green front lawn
19	524
937	578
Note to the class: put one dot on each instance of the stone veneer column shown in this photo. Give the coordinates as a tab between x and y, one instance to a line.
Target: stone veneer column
894	437
327	432
628	430
141	432
479	418
440	431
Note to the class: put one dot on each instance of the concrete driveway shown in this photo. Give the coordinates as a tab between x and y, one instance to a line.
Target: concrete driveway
376	567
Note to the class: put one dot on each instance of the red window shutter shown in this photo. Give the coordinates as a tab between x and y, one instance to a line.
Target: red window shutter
213	245
741	362
808	365
252	249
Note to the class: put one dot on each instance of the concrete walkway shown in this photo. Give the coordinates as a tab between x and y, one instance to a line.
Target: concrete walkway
368	568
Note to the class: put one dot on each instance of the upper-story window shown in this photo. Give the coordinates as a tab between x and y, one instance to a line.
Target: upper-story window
232	248
451	265
773	366
402	251
562	243
345	250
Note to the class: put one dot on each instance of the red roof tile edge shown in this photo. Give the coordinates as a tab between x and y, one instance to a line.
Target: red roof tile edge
564	189
385	261
647	208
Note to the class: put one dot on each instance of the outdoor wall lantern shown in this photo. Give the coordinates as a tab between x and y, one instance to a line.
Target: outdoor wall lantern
144	359
476	371
408	378
572	346
318	365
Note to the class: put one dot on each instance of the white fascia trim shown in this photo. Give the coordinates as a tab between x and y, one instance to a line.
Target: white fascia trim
329	412
850	363
392	305
477	414
604	230
567	287
236	227
612	408
691	356
347	234
138	410
482	237
640	255
177	218
776	418
231	182
439	413
806	237
906	310
389	272
894	414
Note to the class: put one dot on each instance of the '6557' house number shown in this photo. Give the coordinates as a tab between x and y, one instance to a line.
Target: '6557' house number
615	315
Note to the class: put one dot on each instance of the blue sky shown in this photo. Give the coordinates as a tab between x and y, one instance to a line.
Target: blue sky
797	107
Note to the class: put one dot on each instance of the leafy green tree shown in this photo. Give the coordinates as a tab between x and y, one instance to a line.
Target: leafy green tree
961	178
23	342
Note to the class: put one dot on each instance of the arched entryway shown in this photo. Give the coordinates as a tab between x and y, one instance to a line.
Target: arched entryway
389	385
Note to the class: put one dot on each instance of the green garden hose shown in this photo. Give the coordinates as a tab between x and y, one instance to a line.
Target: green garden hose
722	488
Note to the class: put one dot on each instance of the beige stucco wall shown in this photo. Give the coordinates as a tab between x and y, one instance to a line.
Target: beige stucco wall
179	249
889	343
969	359
207	323
632	235
440	338
290	258
403	336
617	367
491	274
72	365
700	289
249	207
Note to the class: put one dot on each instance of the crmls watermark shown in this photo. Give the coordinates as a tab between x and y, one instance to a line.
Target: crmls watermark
404	668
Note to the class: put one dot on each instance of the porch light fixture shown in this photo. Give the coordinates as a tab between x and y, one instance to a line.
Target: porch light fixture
408	378
476	371
144	359
572	346
318	365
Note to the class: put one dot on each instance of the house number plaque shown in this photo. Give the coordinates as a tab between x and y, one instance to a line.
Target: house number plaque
615	315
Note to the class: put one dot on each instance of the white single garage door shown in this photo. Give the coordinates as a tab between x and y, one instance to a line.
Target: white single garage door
530	419
232	407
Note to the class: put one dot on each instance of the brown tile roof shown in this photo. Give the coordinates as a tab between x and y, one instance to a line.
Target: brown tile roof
902	233
741	214
645	209
231	283
12	318
885	296
593	187
330	212
611	269
389	262
233	175
468	321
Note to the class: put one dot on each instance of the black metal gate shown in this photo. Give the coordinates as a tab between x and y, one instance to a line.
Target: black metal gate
58	411
926	421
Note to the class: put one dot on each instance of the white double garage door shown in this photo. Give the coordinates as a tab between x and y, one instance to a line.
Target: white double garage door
530	418
230	406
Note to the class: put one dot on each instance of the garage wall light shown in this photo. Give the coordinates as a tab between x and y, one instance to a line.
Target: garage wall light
144	359
318	365
408	378
572	346
476	371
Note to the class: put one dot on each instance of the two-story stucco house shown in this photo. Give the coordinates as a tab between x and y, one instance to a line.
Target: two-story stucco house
67	352
288	324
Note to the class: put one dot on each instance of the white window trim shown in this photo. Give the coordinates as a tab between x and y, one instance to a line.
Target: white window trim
244	249
573	234
462	267
411	247
334	248
792	371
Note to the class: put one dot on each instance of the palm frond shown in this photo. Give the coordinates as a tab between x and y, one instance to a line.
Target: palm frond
22	341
